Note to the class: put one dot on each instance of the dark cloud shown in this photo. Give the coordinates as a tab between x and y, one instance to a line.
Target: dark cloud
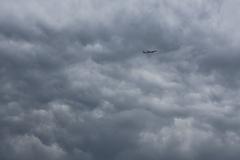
74	84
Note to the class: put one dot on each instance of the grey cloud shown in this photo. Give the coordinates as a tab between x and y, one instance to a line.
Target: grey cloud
74	84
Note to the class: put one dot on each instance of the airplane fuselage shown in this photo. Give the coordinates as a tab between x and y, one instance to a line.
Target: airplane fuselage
149	52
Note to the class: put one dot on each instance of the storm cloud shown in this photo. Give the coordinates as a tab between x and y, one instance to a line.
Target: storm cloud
75	84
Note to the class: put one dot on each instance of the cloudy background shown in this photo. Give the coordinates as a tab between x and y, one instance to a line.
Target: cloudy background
75	86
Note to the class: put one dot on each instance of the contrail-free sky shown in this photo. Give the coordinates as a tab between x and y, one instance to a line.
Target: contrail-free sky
76	86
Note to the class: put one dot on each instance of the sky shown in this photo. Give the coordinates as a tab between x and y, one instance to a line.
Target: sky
76	86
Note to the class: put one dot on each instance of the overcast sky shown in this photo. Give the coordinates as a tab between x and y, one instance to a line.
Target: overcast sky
76	86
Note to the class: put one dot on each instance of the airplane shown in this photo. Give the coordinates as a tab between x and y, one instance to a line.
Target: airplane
150	51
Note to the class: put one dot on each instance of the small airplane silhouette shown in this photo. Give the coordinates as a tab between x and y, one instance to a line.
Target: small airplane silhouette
149	51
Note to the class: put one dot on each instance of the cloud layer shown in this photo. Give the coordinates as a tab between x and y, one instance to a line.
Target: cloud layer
74	84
